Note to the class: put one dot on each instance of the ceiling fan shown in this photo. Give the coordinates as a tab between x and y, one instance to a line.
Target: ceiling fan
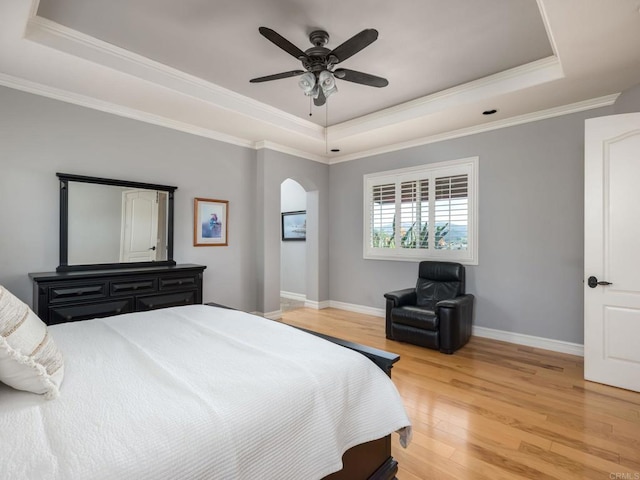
318	79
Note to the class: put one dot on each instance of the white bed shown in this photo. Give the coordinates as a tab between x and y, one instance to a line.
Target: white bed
196	392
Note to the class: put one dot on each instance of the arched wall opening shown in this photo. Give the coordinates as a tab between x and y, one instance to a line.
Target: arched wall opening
293	245
274	168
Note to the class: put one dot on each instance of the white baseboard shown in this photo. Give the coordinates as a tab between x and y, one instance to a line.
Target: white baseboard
317	305
529	340
275	315
300	297
350	307
511	337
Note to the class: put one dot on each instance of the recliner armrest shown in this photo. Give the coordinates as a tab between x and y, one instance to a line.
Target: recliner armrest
458	302
406	296
455	316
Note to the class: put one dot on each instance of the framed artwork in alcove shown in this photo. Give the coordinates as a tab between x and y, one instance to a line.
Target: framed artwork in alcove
294	225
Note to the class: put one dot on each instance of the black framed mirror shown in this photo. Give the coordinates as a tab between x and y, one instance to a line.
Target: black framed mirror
108	223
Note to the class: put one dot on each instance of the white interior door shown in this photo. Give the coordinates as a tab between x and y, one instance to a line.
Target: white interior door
612	251
139	226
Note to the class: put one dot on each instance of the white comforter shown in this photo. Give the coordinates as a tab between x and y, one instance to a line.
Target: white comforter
192	393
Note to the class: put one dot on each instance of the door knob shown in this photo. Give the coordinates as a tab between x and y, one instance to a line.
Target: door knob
593	282
152	248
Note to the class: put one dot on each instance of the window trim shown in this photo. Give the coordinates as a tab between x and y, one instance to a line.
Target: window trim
467	165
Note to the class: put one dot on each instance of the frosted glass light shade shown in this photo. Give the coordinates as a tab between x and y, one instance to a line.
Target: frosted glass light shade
307	83
327	82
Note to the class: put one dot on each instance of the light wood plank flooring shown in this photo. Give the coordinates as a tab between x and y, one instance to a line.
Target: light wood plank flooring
495	410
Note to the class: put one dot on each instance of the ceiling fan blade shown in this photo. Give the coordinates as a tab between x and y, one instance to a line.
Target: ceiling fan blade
354	44
320	100
277	76
282	42
360	77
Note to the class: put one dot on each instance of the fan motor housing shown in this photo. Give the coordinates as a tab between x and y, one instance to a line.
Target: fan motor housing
317	56
319	38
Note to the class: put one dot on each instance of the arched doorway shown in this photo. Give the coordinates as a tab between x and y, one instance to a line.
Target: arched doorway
293	247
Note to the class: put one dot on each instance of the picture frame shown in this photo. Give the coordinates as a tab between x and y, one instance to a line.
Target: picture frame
294	226
210	222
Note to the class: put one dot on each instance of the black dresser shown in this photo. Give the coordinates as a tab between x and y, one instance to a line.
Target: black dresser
69	296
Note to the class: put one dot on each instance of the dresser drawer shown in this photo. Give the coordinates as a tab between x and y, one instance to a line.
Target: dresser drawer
84	311
69	296
79	291
178	283
153	302
139	285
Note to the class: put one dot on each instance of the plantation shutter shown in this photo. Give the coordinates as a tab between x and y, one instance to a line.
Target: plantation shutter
428	212
414	213
383	211
451	212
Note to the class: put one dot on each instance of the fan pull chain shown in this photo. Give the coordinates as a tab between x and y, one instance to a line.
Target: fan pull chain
326	122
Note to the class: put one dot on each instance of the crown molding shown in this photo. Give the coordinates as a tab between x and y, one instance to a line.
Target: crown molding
127	112
524	76
67	40
599	102
89	102
290	151
547	26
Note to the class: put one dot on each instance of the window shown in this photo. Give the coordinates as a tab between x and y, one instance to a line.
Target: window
423	213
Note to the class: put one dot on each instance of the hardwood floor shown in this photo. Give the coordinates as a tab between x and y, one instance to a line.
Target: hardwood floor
495	410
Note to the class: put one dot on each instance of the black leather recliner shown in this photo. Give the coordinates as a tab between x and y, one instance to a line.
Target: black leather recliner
436	313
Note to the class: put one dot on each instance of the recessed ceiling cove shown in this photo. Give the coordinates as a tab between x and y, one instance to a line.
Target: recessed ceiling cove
423	46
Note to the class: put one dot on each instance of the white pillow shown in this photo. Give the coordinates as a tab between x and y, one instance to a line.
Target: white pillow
29	359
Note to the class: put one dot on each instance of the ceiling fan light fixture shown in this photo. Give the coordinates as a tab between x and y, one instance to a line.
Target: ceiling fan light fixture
327	82
307	83
318	79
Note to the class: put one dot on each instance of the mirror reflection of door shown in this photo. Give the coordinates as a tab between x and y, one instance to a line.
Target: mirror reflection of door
139	226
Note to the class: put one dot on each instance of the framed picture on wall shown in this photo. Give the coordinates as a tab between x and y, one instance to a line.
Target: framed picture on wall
294	225
210	222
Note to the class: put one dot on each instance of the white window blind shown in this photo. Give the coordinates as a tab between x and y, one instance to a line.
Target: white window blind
383	211
452	213
426	212
414	214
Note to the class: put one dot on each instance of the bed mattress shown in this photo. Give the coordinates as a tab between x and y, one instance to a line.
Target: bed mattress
196	392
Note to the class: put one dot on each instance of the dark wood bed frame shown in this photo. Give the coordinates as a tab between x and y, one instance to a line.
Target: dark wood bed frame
371	460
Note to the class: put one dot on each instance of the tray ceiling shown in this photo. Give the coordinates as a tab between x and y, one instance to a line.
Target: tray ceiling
187	65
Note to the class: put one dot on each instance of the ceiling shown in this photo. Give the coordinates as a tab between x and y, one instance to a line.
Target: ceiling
187	65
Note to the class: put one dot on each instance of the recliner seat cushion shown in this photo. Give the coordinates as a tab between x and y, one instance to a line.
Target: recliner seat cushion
414	316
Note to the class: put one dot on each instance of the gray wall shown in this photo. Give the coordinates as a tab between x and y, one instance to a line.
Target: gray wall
293	255
529	278
629	101
39	137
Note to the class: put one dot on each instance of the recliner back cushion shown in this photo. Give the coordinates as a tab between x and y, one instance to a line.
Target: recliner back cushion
430	292
439	281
